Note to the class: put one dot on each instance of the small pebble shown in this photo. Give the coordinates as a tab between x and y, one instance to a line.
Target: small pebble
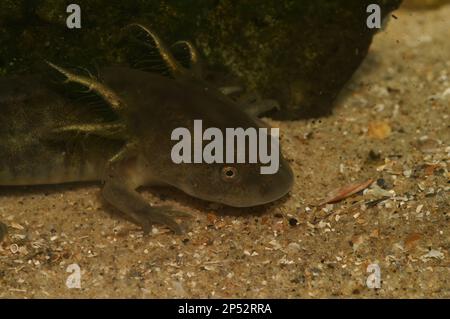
293	222
14	248
419	208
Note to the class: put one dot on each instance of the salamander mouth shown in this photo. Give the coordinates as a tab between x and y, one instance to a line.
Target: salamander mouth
258	202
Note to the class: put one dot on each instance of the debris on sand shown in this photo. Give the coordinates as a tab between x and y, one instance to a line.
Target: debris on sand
379	130
435	254
346	191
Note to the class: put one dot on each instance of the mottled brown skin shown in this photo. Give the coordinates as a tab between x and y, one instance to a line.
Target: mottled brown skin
30	109
47	138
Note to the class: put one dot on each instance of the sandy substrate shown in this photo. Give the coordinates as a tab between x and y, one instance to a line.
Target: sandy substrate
391	125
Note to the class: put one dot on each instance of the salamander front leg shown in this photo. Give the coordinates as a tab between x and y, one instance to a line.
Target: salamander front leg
132	204
121	181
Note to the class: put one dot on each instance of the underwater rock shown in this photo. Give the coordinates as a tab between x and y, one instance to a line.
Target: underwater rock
300	53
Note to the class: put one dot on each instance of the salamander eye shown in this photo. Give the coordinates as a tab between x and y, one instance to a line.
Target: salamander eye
229	173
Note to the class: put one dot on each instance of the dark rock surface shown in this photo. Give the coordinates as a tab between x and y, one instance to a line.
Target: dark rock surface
299	52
